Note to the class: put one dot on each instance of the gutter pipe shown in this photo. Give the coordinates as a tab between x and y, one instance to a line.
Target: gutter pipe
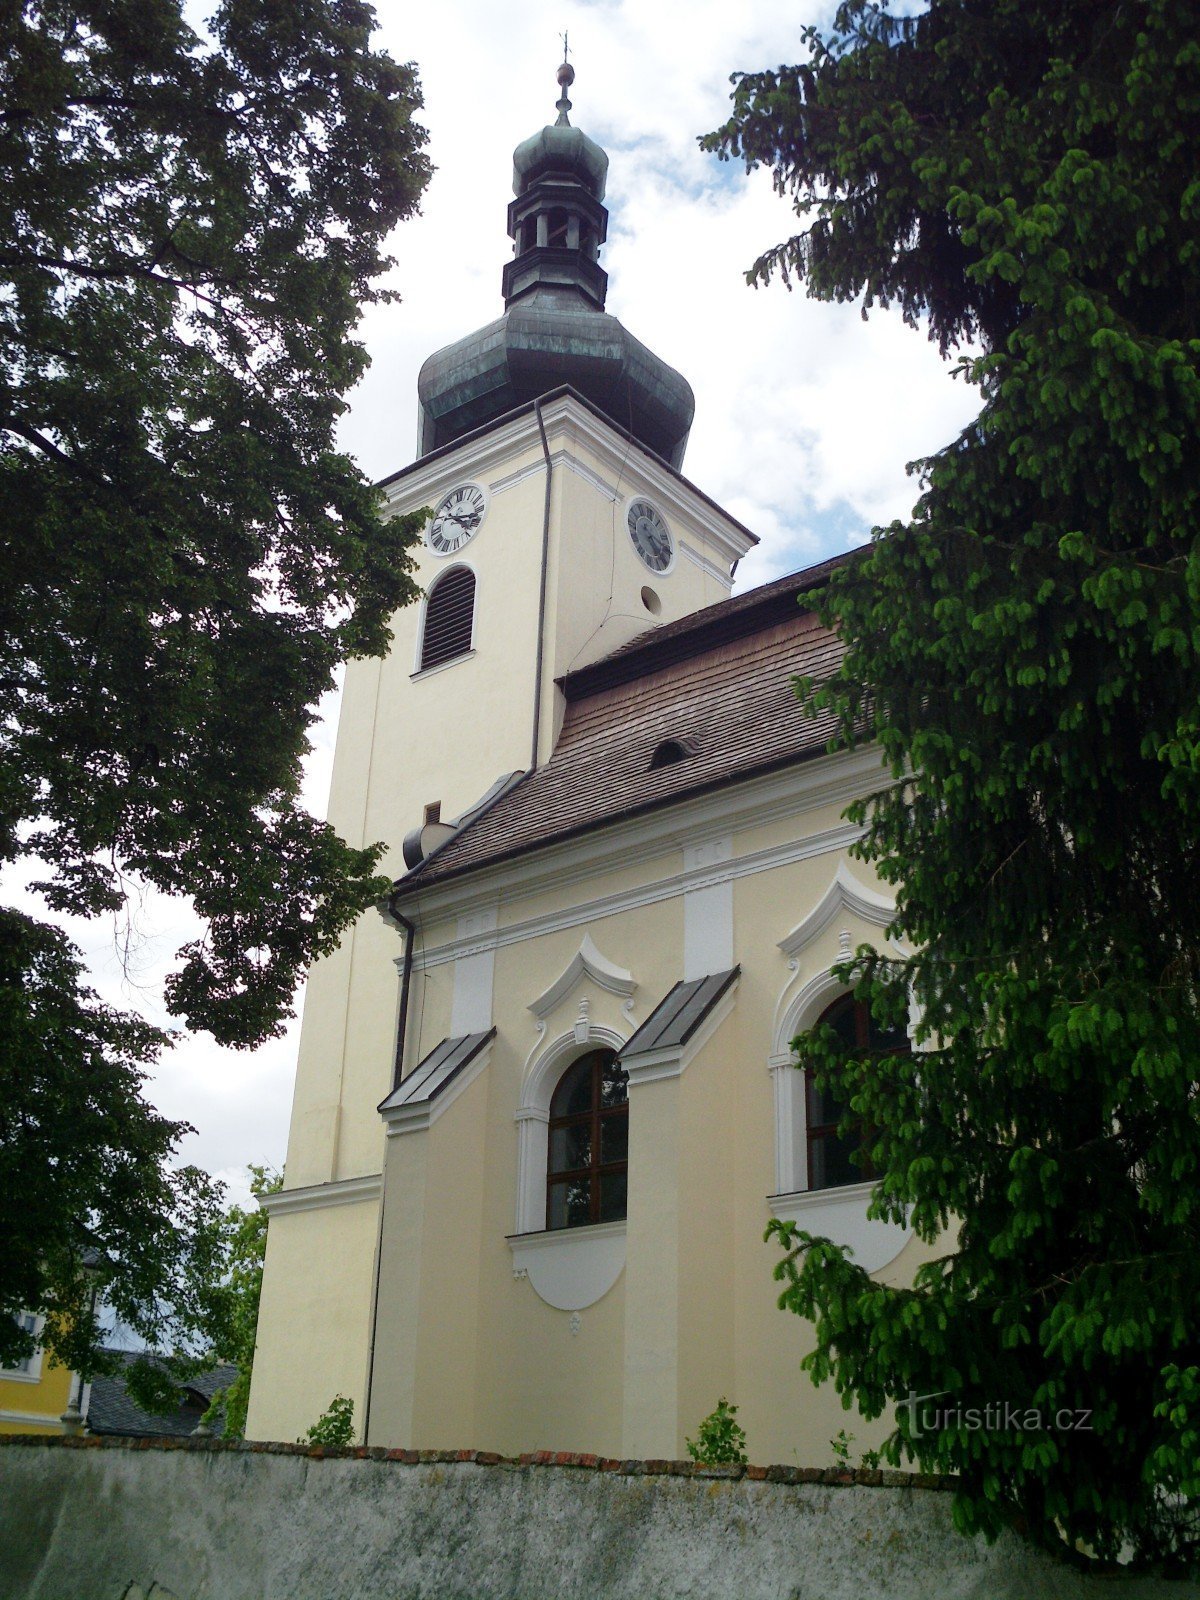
541	631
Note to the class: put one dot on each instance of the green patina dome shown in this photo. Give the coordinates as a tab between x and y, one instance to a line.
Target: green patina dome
539	344
560	148
555	330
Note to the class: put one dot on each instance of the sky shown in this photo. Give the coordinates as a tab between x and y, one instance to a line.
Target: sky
806	415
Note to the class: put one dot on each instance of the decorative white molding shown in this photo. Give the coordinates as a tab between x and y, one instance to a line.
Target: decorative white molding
845	893
586	963
416	1118
705	565
471	1003
571	1268
841	1215
665	888
560	458
318	1196
31	1419
791	1146
568	425
648	1066
708	908
796	1012
544	1066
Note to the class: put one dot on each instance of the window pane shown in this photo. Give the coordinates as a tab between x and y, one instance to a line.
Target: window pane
574	1092
569	1206
571	1147
823	1105
830	1164
614	1086
613	1188
589	1131
614	1137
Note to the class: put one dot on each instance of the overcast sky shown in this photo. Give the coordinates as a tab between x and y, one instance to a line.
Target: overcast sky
805	414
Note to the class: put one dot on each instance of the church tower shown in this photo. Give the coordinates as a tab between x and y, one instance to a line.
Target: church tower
561	527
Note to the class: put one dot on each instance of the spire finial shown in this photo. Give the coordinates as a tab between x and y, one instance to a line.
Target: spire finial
566	77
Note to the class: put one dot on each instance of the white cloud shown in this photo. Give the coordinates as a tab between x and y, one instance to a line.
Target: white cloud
805	415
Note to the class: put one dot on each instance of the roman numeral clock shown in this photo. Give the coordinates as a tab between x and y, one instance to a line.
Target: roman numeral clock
457	518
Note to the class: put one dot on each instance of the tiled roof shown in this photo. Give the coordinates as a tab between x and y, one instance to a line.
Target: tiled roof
741	614
111	1411
677	1016
719	681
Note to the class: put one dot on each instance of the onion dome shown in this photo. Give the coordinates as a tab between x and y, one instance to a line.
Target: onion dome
555	329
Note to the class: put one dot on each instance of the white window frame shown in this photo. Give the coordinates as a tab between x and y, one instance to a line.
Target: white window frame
569	1268
33	1374
839	1213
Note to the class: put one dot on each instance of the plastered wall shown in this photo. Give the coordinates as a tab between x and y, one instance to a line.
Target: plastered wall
215	1523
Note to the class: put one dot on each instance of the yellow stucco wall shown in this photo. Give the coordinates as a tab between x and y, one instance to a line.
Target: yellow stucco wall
31	1405
694	1315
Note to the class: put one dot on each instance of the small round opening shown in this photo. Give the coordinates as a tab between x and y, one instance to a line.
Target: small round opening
651	601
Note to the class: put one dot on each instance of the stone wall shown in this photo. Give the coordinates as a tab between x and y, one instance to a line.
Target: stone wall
203	1520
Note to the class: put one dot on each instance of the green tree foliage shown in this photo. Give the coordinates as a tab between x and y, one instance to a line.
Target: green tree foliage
188	227
90	1208
246	1248
1021	174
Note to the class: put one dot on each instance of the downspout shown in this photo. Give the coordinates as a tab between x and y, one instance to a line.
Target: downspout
410	934
541	630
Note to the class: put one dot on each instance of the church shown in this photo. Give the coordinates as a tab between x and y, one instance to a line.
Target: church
545	1103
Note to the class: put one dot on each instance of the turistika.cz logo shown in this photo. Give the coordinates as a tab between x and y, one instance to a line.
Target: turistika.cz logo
990	1416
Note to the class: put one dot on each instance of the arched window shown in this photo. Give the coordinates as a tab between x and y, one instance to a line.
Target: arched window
831	1155
449	617
589	1143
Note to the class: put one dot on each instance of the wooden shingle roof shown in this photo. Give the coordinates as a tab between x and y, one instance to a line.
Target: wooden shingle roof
719	683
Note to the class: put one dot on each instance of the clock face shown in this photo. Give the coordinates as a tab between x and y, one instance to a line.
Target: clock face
456	519
651	536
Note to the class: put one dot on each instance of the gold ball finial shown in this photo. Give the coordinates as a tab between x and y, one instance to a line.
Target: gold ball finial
566	77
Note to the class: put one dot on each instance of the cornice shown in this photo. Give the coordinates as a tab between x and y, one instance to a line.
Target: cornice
691	820
667	888
319	1196
568	421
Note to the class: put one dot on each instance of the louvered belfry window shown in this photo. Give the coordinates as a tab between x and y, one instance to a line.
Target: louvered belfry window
449	614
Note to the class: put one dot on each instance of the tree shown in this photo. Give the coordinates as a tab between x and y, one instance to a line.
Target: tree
1026	654
246	1249
188	228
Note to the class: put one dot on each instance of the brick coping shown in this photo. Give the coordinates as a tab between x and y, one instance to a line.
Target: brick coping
862	1477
